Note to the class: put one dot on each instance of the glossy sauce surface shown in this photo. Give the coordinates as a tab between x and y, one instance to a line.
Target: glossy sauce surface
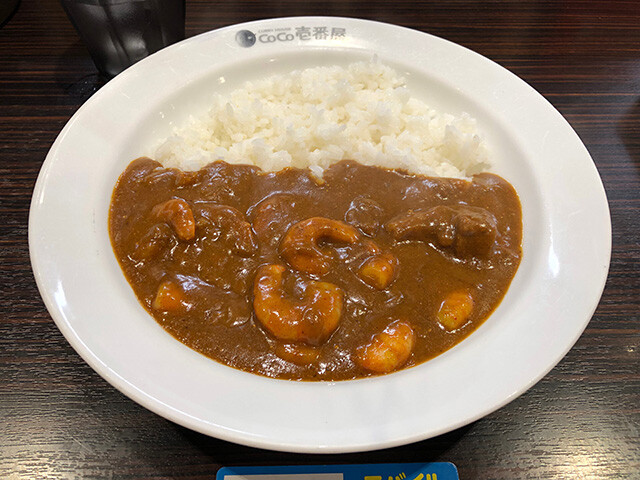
198	247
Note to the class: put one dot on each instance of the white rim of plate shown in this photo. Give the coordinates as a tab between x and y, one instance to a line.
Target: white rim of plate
567	247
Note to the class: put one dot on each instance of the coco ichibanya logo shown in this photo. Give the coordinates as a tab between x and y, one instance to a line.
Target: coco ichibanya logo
246	38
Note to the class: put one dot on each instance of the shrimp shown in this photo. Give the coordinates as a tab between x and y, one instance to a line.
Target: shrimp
170	298
300	246
177	213
379	270
311	320
389	349
297	354
455	310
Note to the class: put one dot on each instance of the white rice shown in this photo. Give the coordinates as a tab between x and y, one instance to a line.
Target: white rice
318	116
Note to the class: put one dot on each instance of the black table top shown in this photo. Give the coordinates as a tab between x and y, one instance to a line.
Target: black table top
61	420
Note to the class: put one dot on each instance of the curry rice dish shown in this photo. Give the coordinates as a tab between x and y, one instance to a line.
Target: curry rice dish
365	272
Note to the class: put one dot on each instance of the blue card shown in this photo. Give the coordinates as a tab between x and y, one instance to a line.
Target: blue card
372	471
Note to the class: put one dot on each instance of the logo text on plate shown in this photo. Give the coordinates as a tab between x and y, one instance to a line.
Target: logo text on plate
246	38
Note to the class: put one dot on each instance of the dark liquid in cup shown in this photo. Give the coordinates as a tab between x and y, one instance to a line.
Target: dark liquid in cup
118	33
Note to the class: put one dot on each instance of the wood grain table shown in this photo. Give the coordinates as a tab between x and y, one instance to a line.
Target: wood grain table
59	419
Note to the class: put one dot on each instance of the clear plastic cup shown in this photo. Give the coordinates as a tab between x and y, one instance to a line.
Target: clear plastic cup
118	33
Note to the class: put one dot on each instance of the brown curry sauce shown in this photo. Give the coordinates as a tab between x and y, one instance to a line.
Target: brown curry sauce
444	236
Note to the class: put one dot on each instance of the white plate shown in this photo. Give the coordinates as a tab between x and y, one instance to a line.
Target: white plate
567	244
